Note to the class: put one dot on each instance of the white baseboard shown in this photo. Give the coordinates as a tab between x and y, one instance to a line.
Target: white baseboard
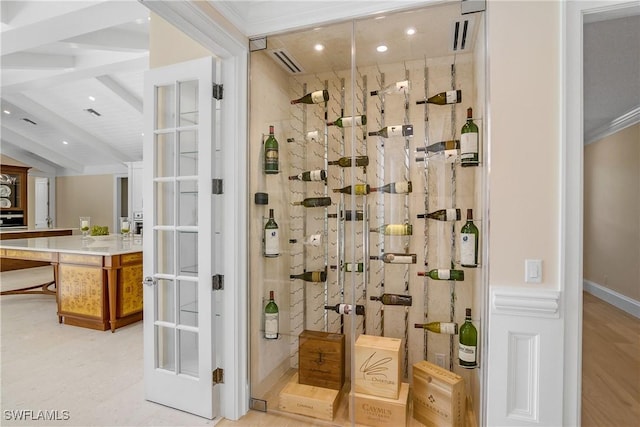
614	298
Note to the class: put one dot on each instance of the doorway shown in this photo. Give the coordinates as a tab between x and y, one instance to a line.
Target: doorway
43	217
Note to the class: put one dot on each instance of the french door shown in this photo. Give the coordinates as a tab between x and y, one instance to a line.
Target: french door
181	233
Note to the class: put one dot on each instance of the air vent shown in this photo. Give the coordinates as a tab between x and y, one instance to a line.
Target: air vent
462	33
286	60
93	112
29	121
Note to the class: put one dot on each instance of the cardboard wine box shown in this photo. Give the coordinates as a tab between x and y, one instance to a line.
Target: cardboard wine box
377	411
378	369
309	400
321	359
438	396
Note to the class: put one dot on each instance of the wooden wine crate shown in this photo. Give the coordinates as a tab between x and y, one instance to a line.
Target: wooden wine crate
321	359
309	400
378	369
438	396
377	411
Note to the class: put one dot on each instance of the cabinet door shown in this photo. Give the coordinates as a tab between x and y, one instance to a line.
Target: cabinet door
179	323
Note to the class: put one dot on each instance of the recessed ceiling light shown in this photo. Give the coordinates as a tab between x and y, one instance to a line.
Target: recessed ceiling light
319	47
411	31
92	98
7	112
381	48
65	142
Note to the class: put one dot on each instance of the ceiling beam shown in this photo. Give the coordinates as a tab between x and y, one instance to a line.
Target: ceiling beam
40	61
27	158
112	39
122	92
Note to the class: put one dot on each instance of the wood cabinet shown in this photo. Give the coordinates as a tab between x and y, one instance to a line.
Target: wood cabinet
13	196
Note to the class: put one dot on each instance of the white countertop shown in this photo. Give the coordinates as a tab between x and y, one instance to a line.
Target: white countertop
112	244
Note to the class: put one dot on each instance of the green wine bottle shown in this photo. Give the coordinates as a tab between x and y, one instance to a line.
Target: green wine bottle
469	142
316	97
469	242
393	299
311	276
397	87
344	122
357	215
356	190
395	130
395	258
315	175
400	187
394	229
439	327
345	162
271	162
271	242
314	202
468	345
346	309
443	215
443	274
440	146
271	314
443	98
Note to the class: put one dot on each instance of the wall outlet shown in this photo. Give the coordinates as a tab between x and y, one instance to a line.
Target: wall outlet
440	359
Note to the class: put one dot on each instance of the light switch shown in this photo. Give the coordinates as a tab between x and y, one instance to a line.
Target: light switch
533	271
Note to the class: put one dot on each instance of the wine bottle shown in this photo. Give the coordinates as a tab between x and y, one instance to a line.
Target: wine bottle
314	175
400	187
312	240
443	274
345	162
357	215
393	299
344	122
395	130
469	142
439	327
443	98
443	215
394	258
351	267
271	163
397	87
438	147
271	328
468	345
271	238
356	190
394	229
311	276
316	97
469	242
346	309
314	202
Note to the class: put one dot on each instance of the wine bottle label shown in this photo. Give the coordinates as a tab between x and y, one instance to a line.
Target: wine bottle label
316	276
444	274
399	259
349	121
451	215
345	308
271	159
395	130
314	240
401	86
317	97
397	229
271	325
360	189
452	96
468	145
271	242
448	328
403	187
315	175
467	353
467	249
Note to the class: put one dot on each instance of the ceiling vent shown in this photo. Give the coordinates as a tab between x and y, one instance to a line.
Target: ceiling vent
462	33
286	60
92	112
28	120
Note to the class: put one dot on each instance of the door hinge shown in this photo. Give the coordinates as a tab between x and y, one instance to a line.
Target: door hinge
216	186
217	91
217	282
217	376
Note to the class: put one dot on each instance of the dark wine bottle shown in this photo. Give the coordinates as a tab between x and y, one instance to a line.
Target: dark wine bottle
271	238
271	328
314	202
345	162
394	229
344	122
346	309
395	258
469	142
357	215
400	187
443	98
468	344
271	162
395	130
315	175
311	276
443	215
443	274
356	190
469	242
316	97
438	147
439	327
393	299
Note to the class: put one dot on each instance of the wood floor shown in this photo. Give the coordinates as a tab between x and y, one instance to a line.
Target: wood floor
610	366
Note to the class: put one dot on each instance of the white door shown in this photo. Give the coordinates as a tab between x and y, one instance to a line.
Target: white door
179	257
42	203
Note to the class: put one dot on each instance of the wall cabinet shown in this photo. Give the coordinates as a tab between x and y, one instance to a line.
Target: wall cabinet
366	240
13	196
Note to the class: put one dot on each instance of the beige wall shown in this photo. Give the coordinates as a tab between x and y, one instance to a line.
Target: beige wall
89	195
611	212
168	45
525	111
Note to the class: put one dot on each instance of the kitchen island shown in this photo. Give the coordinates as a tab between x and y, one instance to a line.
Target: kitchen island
8	233
98	279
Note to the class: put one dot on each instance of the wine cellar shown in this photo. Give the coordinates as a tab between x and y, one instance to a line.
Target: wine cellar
375	186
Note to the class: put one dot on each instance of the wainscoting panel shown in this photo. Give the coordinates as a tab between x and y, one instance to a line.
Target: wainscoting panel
522	386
